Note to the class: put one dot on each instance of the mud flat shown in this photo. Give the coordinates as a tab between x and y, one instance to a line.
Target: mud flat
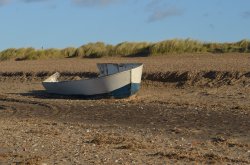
195	111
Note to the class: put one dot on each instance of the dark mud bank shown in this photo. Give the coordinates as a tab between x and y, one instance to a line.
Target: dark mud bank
200	78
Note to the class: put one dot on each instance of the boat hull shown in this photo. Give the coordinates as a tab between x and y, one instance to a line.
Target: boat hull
118	84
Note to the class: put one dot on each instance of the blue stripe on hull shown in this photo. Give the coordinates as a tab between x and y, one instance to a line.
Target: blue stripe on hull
125	91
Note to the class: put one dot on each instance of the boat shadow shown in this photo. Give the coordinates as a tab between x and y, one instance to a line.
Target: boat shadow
42	94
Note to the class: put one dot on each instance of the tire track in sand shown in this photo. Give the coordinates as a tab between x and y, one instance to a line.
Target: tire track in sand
15	107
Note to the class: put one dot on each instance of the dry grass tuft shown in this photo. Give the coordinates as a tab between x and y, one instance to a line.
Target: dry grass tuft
127	49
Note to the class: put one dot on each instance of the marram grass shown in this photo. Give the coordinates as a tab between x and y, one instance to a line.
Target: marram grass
127	49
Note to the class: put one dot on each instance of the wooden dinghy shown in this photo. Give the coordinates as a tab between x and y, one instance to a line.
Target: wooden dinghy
116	80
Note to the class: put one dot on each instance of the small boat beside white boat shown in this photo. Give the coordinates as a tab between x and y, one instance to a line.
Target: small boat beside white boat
114	80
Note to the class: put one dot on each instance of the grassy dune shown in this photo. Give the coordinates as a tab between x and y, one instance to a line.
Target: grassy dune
127	49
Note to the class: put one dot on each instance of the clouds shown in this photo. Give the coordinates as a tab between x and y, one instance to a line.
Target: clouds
82	3
31	1
91	3
159	10
211	26
246	14
158	15
3	2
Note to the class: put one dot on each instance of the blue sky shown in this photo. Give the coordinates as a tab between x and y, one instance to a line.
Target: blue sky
64	23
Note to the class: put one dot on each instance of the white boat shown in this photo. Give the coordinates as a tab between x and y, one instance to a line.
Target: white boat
117	80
